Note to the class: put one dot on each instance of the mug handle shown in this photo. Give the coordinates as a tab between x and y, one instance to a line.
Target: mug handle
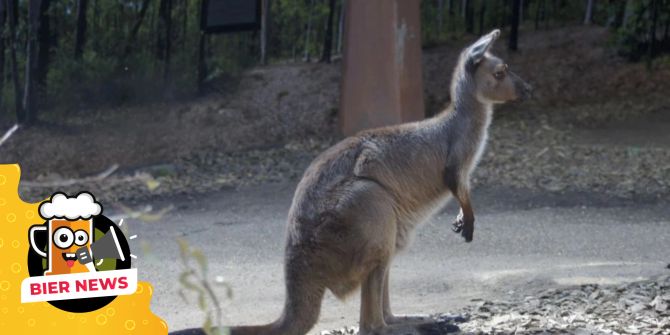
32	239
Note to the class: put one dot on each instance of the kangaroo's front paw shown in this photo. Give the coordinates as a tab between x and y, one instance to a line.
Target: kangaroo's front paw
466	228
457	225
468	231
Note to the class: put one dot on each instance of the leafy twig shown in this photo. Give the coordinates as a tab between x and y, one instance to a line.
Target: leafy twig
195	280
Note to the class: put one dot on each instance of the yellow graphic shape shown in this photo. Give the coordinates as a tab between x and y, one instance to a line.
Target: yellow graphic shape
127	314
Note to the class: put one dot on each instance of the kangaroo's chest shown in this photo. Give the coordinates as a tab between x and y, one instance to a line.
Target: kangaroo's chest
409	219
418	206
478	150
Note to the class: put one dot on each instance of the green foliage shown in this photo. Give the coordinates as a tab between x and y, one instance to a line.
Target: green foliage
194	279
297	28
118	67
633	38
439	26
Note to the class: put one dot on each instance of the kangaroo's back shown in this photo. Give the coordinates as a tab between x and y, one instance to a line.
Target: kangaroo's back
358	202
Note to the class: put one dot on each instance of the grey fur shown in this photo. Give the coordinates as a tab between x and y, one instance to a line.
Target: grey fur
359	202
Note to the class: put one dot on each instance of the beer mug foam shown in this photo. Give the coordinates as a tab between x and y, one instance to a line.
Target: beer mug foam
69	227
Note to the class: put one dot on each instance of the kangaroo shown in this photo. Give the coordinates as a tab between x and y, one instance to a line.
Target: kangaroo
359	201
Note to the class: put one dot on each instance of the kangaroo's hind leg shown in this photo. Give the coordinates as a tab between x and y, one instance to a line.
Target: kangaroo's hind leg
424	321
367	212
389	317
372	311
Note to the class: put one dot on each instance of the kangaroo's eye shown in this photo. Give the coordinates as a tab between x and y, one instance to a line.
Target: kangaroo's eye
499	75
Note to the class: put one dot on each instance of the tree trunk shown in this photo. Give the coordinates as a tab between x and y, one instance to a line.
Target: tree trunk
265	13
540	4
96	13
504	17
94	24
628	12
482	11
44	41
340	26
365	100
164	38
667	28
130	41
168	42
550	10
29	96
12	14
80	36
525	8
469	17
308	30
440	16
184	23
514	22
653	7
3	16
328	39
202	64
588	17
616	13
452	11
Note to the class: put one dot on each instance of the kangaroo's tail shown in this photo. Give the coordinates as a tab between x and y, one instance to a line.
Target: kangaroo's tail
301	309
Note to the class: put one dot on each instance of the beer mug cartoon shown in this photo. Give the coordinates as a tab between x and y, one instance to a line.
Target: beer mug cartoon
69	227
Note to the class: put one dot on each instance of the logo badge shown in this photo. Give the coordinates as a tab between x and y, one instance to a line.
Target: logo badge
79	260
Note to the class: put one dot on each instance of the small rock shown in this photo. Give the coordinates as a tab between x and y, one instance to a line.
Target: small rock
636	308
659	304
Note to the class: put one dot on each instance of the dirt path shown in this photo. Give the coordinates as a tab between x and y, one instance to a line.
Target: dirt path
524	242
650	132
274	106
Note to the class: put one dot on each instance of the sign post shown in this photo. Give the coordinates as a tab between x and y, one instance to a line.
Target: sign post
221	16
382	80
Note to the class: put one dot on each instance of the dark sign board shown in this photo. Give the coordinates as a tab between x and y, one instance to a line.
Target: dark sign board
220	16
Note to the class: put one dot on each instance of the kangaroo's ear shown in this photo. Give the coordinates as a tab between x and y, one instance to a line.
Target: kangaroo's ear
478	49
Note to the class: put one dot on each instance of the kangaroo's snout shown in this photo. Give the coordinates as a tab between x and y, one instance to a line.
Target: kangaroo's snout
524	91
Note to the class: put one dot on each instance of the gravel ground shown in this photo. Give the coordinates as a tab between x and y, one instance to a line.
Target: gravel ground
271	123
196	174
269	132
555	156
525	153
633	308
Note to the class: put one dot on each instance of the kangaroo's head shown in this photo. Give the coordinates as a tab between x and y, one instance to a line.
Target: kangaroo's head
488	76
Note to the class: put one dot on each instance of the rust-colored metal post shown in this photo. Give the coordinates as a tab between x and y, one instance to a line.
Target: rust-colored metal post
382	81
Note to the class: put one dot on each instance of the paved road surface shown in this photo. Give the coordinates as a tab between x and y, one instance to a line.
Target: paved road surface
523	242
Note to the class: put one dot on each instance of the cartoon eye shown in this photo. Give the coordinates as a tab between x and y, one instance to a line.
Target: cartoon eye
80	237
63	237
